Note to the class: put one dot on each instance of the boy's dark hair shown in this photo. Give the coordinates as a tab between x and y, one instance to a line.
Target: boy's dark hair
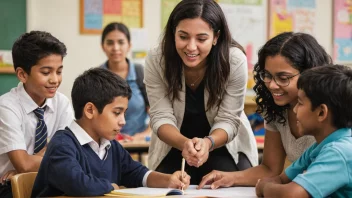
218	60
330	85
115	26
30	47
98	86
301	51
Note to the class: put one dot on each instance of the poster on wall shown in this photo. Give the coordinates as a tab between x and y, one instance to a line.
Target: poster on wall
292	15
247	23
96	14
343	31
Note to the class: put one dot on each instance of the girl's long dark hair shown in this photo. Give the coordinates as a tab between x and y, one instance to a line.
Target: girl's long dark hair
218	60
301	51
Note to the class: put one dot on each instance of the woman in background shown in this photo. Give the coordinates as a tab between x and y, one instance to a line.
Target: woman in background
116	43
280	62
196	83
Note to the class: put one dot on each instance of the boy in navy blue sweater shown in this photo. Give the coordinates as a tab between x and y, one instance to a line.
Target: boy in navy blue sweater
84	159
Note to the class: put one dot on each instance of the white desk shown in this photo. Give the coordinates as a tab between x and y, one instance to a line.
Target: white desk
246	192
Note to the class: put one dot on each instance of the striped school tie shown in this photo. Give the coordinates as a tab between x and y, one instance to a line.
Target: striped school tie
41	130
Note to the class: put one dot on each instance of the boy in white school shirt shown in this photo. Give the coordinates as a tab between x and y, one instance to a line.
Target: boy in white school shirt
33	111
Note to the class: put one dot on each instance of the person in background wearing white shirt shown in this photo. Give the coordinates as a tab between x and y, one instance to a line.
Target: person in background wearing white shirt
31	112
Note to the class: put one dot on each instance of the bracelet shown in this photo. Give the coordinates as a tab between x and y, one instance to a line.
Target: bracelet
212	142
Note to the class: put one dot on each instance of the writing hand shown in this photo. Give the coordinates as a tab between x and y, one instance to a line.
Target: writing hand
177	181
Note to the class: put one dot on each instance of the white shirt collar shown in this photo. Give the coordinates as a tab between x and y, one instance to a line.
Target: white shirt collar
30	104
83	137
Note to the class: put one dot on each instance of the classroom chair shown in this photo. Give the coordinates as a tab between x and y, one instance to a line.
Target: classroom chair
22	184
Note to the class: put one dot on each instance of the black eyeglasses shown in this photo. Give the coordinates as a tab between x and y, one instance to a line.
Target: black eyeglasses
282	81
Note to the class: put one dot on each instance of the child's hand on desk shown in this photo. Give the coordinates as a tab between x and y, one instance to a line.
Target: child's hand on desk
116	187
259	187
177	181
217	179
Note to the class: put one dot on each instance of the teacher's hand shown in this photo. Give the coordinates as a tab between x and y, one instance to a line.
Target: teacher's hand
202	146
196	152
189	152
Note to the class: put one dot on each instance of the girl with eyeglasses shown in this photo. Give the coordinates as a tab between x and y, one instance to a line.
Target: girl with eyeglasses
280	61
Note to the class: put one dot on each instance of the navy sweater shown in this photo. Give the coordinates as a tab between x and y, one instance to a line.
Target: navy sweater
68	168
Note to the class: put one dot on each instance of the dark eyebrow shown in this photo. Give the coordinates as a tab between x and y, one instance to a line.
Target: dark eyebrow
284	74
49	67
201	34
119	108
279	73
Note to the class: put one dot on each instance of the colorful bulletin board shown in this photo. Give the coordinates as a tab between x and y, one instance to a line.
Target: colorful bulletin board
343	31
292	15
166	8
96	14
247	23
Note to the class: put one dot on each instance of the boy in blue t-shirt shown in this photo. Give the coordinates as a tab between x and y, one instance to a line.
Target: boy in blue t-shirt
324	110
84	159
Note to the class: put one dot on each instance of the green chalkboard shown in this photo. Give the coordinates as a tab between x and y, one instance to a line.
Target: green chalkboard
12	21
7	81
12	25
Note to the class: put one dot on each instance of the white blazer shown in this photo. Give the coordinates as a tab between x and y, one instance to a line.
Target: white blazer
229	117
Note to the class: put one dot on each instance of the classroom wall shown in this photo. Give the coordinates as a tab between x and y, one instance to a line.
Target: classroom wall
61	18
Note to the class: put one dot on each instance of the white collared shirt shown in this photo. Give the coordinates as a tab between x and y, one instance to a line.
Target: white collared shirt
83	138
18	121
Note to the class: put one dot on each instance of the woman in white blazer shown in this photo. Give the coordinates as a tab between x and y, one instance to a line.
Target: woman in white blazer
196	83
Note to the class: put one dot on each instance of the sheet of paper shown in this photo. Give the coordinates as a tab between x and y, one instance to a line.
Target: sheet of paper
191	190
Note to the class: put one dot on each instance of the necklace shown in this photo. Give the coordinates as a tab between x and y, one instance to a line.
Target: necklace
192	84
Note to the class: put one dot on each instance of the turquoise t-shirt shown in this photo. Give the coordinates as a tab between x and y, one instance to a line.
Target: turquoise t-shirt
327	166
